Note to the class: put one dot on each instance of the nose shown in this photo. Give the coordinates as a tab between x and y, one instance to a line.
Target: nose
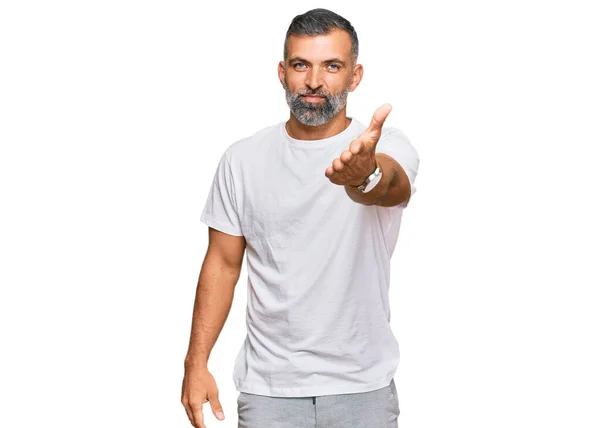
313	79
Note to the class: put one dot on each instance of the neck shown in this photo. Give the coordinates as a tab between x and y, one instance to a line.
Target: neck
299	131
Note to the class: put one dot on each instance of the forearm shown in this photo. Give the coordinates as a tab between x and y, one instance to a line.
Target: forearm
214	296
392	189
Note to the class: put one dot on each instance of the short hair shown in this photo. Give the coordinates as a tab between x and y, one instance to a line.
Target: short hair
321	21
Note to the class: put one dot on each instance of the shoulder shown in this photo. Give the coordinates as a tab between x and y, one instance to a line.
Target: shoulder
395	143
248	147
394	138
392	133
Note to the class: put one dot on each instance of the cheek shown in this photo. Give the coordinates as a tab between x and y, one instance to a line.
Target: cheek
295	81
339	82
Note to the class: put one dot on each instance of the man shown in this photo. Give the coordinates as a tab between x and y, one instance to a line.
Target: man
316	201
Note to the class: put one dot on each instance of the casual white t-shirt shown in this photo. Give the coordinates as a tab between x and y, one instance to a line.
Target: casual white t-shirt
318	264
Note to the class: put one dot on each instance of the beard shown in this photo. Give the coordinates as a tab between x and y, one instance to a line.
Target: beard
315	114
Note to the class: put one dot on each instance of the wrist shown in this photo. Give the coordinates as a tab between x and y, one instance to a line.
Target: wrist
371	171
371	181
193	361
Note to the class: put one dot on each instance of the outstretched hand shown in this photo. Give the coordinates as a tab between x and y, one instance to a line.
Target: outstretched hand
355	164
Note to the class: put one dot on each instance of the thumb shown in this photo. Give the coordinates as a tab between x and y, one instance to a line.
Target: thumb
215	405
379	117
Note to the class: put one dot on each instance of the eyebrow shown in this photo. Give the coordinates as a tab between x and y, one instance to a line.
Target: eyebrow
327	61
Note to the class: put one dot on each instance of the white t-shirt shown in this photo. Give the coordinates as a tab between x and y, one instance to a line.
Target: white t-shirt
318	264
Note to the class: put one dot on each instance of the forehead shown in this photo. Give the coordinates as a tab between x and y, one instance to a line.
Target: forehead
336	43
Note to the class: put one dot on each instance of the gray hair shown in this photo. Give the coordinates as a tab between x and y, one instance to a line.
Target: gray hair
321	21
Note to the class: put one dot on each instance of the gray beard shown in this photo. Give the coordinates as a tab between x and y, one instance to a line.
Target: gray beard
315	114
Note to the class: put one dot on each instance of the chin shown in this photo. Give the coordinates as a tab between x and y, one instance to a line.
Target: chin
313	123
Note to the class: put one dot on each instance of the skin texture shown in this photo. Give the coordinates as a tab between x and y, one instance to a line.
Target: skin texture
222	264
214	295
315	74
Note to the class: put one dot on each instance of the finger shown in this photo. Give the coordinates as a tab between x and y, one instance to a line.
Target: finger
337	165
335	177
332	175
188	411
347	157
217	409
379	117
198	417
356	146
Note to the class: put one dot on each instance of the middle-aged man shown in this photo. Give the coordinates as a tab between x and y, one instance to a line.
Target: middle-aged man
316	201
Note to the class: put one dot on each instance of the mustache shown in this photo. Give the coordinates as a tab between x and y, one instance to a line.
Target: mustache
311	92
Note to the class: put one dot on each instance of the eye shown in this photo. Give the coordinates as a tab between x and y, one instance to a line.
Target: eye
297	64
337	67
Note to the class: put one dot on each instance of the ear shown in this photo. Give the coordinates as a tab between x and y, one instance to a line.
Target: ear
281	72
357	75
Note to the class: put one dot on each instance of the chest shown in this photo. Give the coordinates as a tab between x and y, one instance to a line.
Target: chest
284	206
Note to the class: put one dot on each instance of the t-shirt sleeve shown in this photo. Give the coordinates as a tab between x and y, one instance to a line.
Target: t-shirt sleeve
395	143
220	211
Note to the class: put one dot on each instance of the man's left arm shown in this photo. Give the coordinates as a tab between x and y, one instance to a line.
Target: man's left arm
394	187
388	149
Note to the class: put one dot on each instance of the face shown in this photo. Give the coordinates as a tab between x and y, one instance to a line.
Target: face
320	66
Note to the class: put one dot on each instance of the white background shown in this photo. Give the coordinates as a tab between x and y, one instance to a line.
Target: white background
114	114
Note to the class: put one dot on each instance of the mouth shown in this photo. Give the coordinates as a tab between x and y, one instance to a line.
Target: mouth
313	98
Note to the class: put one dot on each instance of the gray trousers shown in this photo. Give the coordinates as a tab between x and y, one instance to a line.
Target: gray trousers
372	409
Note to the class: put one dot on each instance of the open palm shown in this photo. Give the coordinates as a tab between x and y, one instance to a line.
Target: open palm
357	162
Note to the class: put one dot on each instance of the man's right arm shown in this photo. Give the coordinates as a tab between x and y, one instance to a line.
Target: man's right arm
214	294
